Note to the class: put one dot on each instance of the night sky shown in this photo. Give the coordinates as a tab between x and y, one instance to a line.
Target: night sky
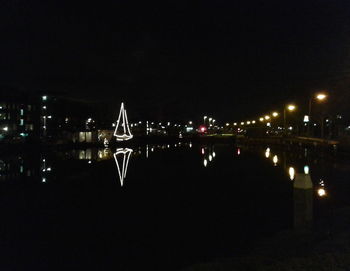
178	59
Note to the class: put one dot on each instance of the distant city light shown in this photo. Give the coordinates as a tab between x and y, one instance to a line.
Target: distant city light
235	124
275	160
202	129
261	119
274	114
253	121
267	117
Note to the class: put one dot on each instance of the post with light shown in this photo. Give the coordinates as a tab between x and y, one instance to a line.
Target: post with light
290	108
318	97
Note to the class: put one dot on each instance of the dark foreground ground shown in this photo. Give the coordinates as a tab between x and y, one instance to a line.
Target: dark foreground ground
325	247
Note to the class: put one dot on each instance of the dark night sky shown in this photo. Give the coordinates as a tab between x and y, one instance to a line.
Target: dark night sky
178	59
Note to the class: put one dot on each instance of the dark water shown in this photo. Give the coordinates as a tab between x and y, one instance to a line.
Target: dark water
74	210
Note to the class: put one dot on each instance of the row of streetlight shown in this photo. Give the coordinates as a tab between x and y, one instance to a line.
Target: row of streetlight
287	108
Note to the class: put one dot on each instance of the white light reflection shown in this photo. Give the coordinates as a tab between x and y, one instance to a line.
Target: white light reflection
124	154
205	162
306	170
291	172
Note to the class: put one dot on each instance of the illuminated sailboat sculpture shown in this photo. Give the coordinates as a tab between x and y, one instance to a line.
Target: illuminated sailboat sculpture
122	130
123	155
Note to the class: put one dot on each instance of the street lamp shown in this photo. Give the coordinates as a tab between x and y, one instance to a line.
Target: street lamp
261	119
205	117
290	108
275	114
319	97
267	117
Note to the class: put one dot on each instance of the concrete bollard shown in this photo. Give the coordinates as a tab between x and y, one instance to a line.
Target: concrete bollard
303	201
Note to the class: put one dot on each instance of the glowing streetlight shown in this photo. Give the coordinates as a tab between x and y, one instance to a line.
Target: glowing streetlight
261	119
242	123
267	117
291	107
253	121
275	114
321	96
248	122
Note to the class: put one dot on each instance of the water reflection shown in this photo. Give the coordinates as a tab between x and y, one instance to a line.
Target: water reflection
209	154
303	201
291	172
121	157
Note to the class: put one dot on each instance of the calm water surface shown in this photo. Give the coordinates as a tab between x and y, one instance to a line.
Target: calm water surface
157	207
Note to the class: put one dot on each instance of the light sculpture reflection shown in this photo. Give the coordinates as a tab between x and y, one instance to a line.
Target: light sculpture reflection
124	156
